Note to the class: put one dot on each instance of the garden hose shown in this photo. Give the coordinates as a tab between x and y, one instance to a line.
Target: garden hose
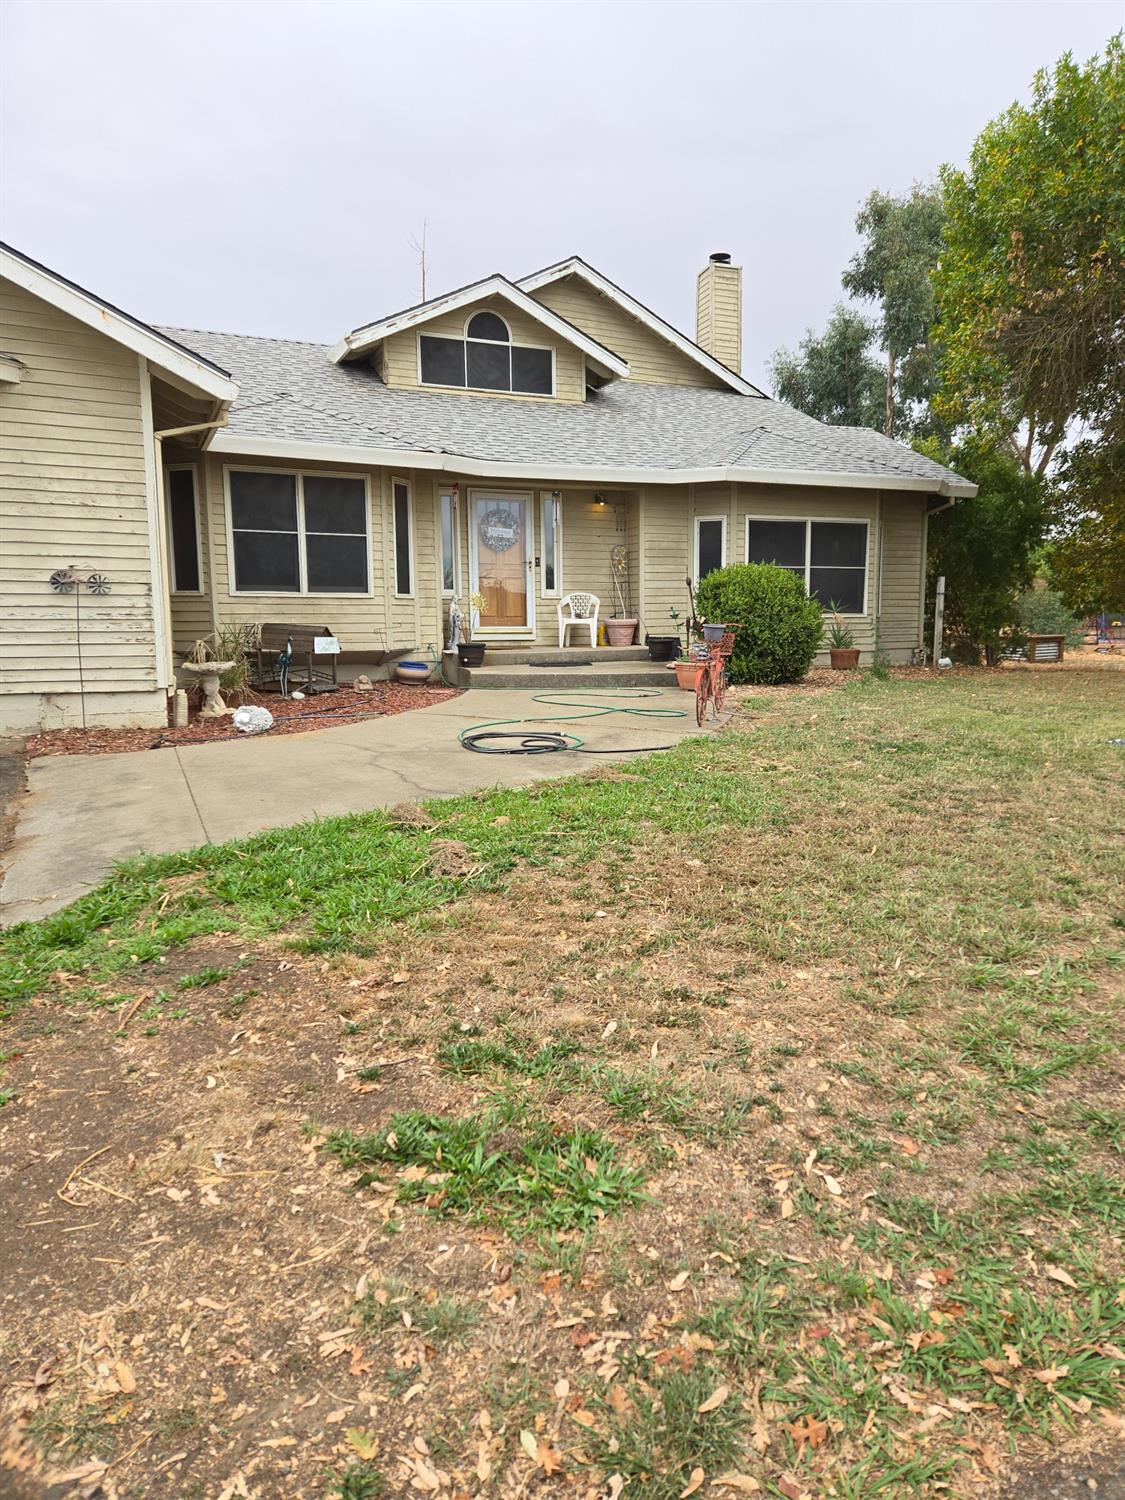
548	741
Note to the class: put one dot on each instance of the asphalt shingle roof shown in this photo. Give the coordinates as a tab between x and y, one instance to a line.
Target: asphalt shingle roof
293	392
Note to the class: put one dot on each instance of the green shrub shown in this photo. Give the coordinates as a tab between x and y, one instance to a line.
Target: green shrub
1042	612
778	628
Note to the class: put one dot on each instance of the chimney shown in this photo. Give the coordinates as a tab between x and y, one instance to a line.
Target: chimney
718	310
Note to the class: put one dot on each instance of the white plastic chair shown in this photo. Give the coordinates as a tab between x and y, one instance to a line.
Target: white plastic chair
579	610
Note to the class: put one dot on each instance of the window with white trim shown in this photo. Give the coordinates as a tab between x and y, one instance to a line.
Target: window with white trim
830	556
298	533
404	540
450	543
486	359
183	530
550	576
710	544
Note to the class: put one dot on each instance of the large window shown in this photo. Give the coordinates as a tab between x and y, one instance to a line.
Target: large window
298	533
831	557
550	577
183	530
404	540
486	360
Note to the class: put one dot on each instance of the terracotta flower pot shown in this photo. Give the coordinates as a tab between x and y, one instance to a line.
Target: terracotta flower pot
844	660
687	674
620	632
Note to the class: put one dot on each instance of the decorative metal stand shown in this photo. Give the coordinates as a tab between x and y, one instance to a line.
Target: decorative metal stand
70	581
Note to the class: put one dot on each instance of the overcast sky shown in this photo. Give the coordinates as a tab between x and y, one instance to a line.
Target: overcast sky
260	168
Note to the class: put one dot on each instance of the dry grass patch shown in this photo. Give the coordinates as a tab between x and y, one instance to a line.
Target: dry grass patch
750	1118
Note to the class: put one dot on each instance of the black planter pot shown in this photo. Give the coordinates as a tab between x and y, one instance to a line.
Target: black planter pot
662	647
470	653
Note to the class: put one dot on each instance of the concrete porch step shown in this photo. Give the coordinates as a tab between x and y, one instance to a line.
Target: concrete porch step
564	678
568	656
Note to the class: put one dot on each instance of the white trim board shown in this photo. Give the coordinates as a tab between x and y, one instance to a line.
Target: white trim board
229	443
576	266
361	340
160	352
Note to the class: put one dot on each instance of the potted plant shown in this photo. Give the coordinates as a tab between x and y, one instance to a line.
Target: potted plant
620	630
665	647
842	650
470	653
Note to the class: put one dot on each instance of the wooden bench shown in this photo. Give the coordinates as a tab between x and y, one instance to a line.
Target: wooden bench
272	640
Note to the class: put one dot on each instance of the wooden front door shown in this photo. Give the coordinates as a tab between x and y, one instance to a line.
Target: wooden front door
500	554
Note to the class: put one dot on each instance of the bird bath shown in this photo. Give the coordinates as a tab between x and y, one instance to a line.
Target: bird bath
207	674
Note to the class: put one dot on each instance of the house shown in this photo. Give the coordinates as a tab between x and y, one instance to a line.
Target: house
503	438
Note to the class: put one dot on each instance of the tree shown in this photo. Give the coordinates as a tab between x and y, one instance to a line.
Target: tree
901	243
985	547
1031	283
1086	563
832	376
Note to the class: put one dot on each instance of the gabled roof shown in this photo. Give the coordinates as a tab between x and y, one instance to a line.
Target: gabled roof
576	266
297	404
360	340
180	364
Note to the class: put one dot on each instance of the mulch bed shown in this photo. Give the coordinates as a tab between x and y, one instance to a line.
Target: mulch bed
291	716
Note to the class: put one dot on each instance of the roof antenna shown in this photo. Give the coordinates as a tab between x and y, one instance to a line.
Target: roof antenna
420	250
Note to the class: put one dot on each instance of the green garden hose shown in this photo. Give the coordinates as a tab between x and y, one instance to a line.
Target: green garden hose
547	742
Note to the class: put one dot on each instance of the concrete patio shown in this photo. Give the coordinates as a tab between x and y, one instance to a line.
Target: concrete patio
80	814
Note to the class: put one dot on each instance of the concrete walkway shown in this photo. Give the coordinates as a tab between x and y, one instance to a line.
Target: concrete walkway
81	813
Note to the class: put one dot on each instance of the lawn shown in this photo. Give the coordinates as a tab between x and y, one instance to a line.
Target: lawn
746	1120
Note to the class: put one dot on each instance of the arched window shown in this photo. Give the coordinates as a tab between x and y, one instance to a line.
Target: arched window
486	359
488	326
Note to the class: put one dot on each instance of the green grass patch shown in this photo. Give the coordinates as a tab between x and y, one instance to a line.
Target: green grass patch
496	1167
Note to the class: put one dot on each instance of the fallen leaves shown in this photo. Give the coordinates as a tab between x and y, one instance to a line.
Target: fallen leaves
697	1477
714	1400
1056	1273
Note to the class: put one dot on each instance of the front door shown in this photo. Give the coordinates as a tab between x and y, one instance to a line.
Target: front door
500	561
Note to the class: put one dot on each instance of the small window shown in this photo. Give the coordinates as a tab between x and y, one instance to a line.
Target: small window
404	560
183	531
551	577
710	544
838	564
533	372
263	513
490	326
448	545
443	361
488	367
335	534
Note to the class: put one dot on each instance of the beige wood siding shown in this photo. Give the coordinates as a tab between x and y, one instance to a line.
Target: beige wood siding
399	366
665	550
651	359
378	621
903	575
73	491
718	313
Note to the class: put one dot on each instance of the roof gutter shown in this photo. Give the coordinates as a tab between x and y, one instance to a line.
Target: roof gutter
489	468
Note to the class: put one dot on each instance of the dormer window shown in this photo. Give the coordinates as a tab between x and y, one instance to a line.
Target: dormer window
486	360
